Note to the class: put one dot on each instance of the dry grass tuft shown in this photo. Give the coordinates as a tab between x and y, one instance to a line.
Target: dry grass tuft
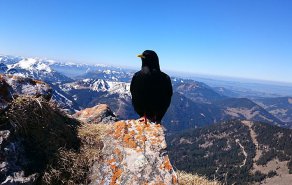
72	167
43	129
191	179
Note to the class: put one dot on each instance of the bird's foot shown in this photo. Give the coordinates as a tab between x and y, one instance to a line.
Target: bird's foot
143	119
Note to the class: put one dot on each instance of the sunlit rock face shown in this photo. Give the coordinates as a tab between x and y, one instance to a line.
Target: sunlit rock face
134	153
98	114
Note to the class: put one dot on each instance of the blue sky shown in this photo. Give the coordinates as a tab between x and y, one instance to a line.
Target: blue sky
240	38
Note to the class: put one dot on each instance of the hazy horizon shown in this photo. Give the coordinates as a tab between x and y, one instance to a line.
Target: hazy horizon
243	39
187	75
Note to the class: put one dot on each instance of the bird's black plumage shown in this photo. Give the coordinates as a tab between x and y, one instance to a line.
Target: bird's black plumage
151	89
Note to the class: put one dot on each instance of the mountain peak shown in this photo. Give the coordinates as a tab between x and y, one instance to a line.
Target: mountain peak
33	64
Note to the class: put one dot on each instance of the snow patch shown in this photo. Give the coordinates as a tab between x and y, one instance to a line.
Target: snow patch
33	64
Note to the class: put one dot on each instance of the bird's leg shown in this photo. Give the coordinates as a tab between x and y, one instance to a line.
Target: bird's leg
145	118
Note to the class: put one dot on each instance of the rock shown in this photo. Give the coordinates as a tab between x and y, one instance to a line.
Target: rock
19	178
134	153
32	131
39	145
11	157
3	68
5	95
97	114
13	86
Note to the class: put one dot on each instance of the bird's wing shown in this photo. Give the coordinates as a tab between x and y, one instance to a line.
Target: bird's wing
133	84
169	86
135	89
169	90
166	97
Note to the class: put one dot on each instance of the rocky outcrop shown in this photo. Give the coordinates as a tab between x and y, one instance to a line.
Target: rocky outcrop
133	153
41	145
98	114
13	86
31	133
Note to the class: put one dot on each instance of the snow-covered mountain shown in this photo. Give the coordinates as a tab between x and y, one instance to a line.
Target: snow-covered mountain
109	75
45	69
89	92
8	60
99	85
78	86
35	68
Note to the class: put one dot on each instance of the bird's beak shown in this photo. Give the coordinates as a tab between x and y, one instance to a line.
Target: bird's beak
141	56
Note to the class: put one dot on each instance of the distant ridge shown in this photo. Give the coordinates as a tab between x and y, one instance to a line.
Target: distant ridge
78	86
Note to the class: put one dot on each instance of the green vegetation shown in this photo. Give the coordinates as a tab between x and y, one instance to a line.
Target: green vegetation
276	142
215	151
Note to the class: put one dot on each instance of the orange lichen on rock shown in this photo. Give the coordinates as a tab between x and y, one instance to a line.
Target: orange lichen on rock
128	141
139	150
117	151
158	125
132	147
167	164
155	134
116	175
160	183
113	167
111	161
155	141
140	130
126	138
174	179
118	127
144	138
147	127
141	138
132	133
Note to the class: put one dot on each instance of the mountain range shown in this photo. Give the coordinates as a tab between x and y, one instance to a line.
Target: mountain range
214	131
194	104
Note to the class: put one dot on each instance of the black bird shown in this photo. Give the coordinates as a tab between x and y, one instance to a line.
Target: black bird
151	89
